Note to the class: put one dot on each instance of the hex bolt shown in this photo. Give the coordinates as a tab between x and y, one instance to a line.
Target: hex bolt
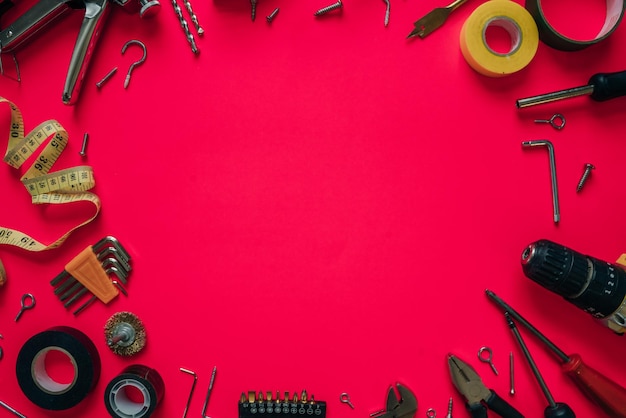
271	16
330	8
585	176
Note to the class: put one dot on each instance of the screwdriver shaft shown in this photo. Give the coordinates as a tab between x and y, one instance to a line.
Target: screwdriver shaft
557	95
519	318
531	362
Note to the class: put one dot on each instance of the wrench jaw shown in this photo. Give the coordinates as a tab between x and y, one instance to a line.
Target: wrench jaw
404	406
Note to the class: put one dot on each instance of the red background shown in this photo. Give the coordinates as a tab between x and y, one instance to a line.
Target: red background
319	204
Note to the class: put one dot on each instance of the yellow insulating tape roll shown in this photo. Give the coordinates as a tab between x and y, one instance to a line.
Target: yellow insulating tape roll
516	21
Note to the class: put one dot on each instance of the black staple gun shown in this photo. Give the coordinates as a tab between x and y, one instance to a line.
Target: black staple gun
45	12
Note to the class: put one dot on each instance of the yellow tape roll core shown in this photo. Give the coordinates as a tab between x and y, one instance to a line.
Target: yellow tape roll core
516	21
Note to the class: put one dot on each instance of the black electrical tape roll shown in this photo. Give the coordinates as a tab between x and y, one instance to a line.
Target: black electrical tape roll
35	382
549	35
141	378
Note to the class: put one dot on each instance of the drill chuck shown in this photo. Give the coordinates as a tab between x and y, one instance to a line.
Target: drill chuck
595	286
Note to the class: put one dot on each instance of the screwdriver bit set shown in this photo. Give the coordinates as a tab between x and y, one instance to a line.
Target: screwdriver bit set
101	270
255	405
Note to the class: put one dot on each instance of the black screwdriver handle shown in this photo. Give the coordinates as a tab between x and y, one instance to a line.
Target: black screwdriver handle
478	410
502	407
608	86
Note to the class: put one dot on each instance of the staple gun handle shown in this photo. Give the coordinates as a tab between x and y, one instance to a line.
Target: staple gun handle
96	12
31	22
45	12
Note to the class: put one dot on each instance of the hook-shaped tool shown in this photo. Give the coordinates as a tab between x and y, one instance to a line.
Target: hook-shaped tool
136	63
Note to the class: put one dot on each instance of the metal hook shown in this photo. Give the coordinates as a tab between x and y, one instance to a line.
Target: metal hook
136	63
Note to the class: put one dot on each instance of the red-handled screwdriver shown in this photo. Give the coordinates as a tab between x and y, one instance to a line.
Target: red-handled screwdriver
601	87
601	390
554	409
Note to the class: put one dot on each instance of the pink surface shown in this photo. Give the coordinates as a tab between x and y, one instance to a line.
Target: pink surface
319	204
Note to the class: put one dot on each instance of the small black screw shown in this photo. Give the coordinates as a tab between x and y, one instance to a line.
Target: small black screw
585	176
272	15
83	150
253	9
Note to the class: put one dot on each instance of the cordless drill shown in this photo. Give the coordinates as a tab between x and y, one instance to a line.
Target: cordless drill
595	286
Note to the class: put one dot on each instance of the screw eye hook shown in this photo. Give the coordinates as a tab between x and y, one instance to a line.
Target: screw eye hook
136	63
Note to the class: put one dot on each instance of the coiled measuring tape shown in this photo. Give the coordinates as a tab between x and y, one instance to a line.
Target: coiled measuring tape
60	187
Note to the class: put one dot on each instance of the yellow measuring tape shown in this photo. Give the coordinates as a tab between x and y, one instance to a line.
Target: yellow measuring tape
63	186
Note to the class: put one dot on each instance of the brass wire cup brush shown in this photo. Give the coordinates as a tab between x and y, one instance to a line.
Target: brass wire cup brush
125	334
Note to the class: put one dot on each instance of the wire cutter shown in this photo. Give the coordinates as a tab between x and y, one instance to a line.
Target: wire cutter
477	395
405	407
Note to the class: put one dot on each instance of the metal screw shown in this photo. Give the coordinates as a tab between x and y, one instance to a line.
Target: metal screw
253	10
83	150
449	409
106	77
585	176
330	8
271	16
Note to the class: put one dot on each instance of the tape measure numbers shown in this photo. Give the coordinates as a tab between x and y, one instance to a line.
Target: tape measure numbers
61	187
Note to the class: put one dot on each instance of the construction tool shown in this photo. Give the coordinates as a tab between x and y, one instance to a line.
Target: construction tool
257	406
185	27
27	302
601	390
13	411
136	63
270	17
600	87
469	384
345	398
44	12
338	5
125	334
557	121
403	407
434	19
595	286
90	272
511	374
193	388
488	359
449	415
585	176
554	409
208	393
552	159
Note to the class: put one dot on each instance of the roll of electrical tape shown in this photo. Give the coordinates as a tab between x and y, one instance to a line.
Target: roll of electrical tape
552	38
516	21
147	385
34	380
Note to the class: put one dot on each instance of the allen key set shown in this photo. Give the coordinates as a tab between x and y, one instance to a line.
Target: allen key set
91	271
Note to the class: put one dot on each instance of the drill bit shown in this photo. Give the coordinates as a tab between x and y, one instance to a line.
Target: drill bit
253	9
449	409
125	334
185	26
194	18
